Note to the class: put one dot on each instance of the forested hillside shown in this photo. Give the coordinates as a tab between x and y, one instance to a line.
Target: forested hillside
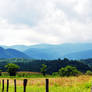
52	65
87	61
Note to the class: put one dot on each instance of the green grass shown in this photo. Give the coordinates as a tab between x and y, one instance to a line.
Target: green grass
64	84
27	75
51	89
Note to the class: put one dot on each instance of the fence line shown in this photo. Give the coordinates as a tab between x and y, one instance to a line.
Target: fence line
24	85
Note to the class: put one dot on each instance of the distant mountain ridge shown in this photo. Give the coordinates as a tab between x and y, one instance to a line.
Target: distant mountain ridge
48	51
12	53
80	55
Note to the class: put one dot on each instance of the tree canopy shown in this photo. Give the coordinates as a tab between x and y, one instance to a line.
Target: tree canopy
12	69
44	69
68	71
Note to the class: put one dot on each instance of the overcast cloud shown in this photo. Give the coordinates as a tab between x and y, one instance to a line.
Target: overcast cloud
45	21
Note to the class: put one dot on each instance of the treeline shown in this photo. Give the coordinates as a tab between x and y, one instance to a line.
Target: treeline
52	65
87	61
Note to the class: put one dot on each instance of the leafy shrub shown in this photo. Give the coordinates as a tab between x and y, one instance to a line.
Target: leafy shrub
55	74
88	72
12	69
69	71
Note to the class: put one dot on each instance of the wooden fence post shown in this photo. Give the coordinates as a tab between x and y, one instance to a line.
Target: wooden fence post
2	85
14	85
7	85
47	85
25	84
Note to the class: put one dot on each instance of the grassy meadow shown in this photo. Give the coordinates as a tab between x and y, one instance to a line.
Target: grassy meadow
81	83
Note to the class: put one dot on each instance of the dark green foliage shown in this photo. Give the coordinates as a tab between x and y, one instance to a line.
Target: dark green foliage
87	61
68	71
44	69
0	72
12	69
66	59
35	65
55	74
88	72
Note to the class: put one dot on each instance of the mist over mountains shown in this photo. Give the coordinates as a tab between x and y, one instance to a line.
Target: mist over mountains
47	51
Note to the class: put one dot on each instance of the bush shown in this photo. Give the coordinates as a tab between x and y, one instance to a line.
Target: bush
88	72
12	69
55	74
44	69
69	71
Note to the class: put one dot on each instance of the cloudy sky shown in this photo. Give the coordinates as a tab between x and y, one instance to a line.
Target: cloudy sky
45	21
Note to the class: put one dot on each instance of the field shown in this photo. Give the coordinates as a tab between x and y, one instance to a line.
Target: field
60	84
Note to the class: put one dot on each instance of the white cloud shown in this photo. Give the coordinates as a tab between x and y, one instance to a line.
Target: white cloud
45	21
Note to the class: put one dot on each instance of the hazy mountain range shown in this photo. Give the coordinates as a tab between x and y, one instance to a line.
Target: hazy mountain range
47	51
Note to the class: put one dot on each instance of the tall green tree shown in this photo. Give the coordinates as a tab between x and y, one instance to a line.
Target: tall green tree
44	69
12	69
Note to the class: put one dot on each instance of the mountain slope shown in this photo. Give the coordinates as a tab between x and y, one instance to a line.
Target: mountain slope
17	47
80	55
11	53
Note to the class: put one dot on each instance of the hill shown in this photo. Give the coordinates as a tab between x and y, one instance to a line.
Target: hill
17	47
11	53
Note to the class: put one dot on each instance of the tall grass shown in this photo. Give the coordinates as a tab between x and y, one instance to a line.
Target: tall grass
61	84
